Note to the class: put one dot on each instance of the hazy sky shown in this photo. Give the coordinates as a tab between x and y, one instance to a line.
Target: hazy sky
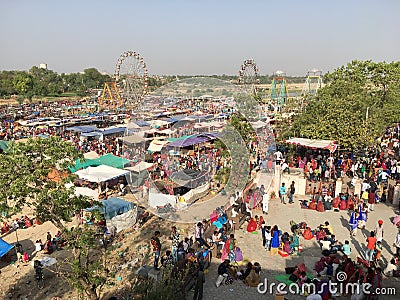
198	37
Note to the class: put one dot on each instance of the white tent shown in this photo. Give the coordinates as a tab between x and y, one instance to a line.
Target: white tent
156	145
100	173
140	167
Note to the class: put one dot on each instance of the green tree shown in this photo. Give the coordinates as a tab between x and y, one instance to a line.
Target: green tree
339	110
23	84
34	174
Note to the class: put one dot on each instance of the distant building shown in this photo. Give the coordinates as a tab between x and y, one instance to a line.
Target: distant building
43	66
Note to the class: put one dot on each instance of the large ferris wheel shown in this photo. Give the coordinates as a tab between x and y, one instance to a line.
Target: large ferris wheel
248	76
131	78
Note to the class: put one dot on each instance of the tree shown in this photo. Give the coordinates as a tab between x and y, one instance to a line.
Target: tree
34	173
23	84
339	110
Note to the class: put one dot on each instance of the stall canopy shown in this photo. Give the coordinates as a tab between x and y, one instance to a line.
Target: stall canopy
4	247
83	128
156	145
195	139
189	178
140	167
133	139
107	159
112	207
113	161
91	155
142	123
100	173
314	144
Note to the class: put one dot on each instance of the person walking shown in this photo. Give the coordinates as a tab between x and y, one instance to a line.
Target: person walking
397	243
291	193
175	237
265	202
379	231
282	193
155	242
369	252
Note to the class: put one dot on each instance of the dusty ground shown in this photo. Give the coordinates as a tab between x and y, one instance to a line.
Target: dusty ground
130	250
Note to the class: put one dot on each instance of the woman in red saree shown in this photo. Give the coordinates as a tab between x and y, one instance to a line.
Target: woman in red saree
252	226
336	202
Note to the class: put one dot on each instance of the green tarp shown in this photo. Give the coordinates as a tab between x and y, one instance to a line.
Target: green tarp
108	160
183	137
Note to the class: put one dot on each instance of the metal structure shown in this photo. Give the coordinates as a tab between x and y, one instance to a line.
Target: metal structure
131	78
313	83
110	97
248	76
279	93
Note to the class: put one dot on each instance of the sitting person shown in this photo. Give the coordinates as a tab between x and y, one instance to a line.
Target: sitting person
336	202
243	274
350	204
28	222
222	272
308	234
390	268
313	205
252	225
320	206
217	239
328	228
294	244
325	244
286	247
48	247
253	279
346	248
5	228
343	204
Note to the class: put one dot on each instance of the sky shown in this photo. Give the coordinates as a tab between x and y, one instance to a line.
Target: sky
198	37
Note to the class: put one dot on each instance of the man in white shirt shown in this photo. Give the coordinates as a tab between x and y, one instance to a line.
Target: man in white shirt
325	244
278	156
365	186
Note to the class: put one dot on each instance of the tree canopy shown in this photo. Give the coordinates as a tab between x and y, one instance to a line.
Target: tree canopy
356	104
35	174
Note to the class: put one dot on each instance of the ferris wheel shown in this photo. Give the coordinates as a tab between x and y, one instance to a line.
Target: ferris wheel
131	78
248	76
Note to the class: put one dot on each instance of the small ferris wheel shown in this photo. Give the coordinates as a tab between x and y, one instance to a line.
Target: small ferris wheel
248	76
131	78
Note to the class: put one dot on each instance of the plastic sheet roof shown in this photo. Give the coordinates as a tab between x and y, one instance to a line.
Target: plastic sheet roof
83	128
4	247
100	173
314	144
112	207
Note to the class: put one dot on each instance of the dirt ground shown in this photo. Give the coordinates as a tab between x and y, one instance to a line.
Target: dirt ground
130	250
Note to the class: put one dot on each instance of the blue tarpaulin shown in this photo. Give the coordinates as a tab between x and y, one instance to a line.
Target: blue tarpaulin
4	247
108	131
142	123
112	207
83	128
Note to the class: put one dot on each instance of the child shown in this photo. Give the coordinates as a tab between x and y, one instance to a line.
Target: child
346	248
378	251
268	238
